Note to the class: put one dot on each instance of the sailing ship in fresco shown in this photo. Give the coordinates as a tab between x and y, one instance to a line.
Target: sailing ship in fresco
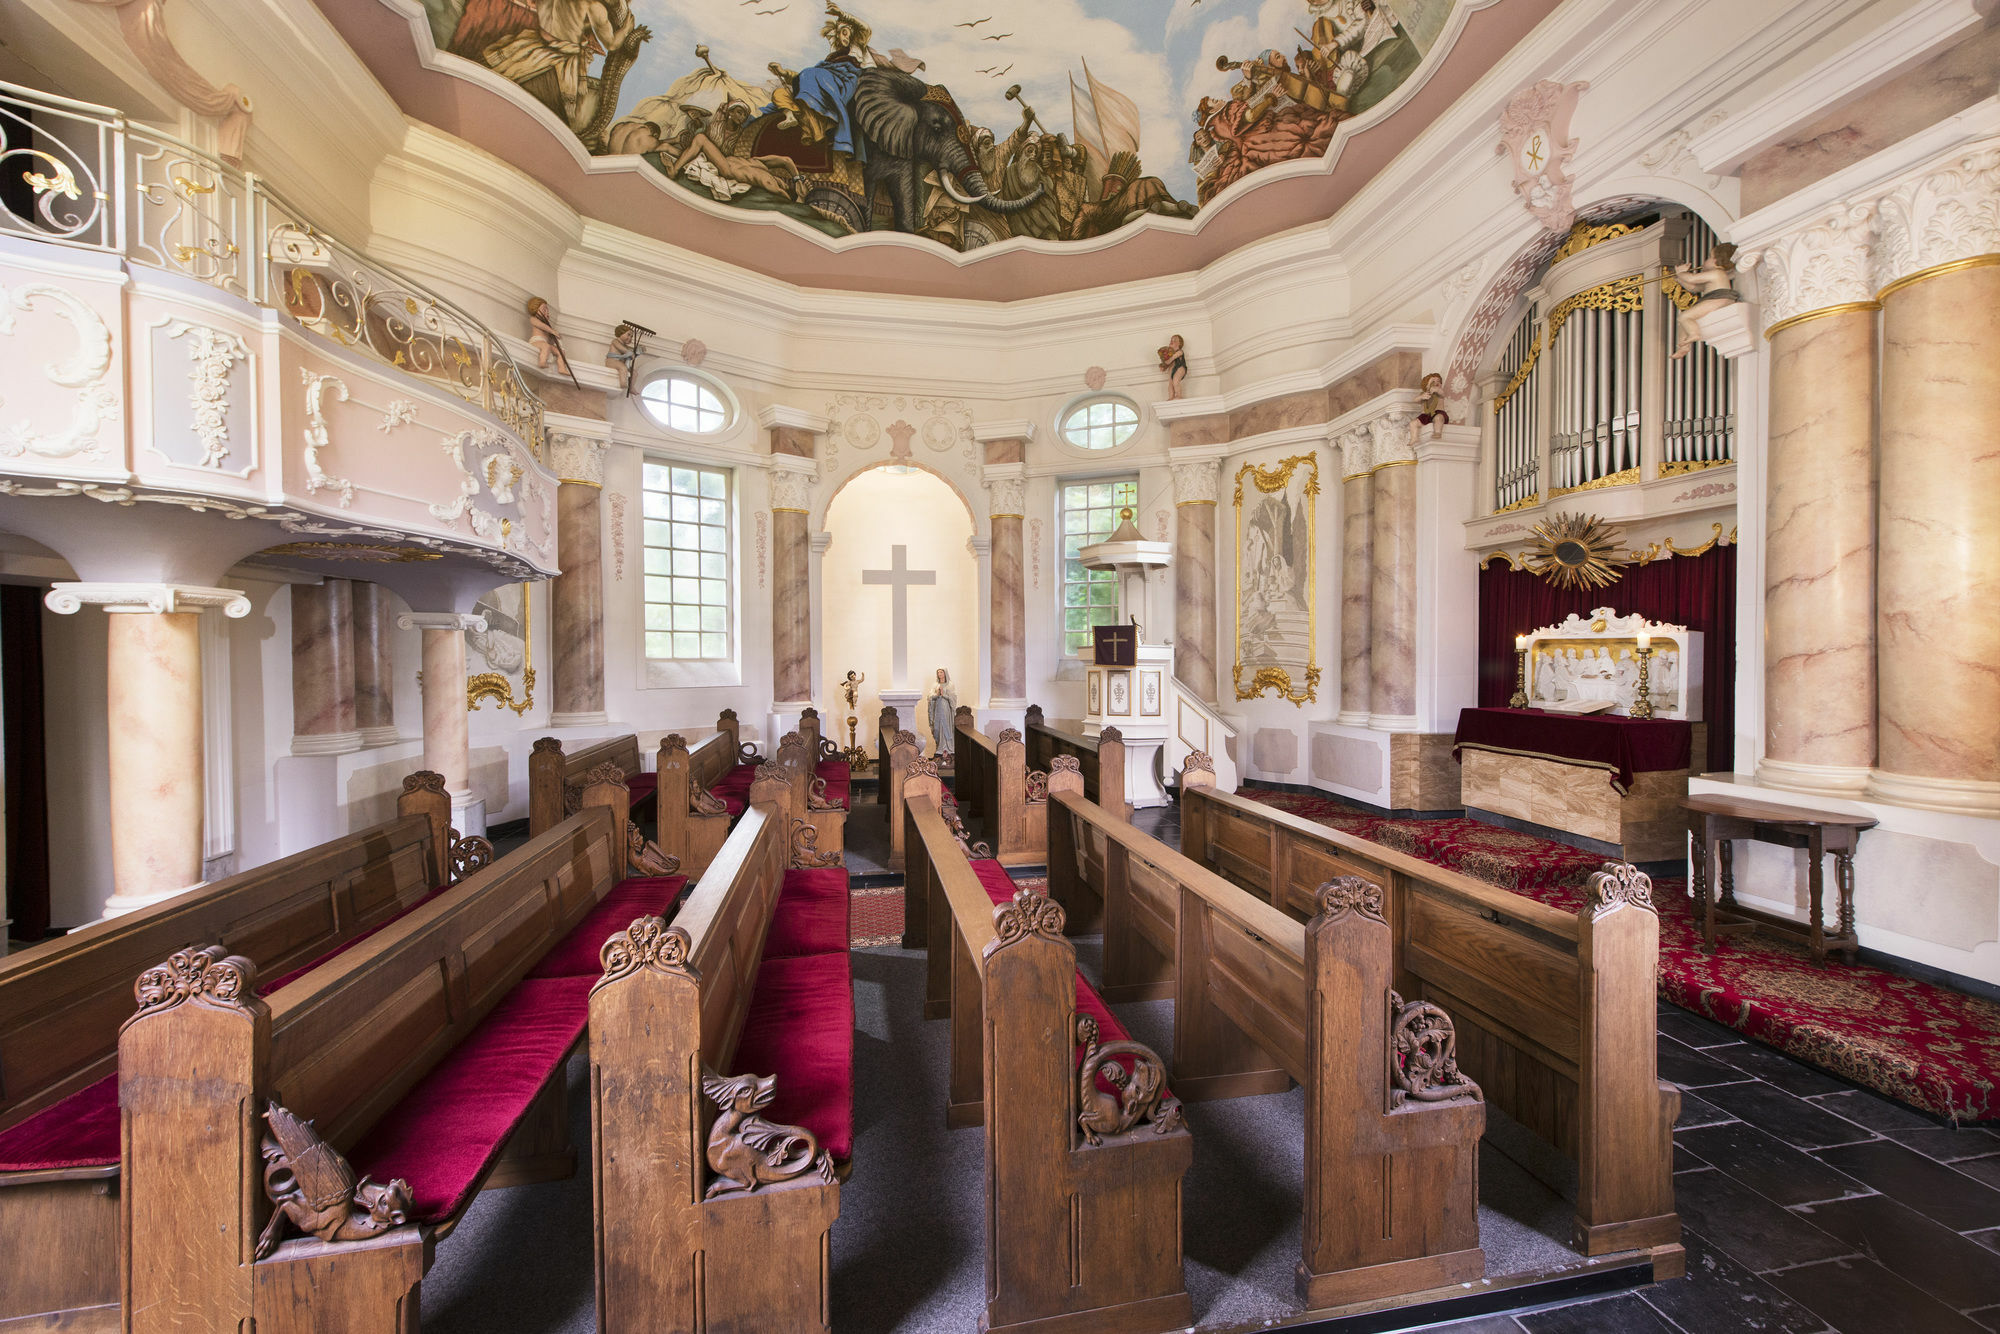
859	140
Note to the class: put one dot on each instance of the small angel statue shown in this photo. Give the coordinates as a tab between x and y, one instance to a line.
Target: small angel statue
1430	409
1173	364
1714	286
624	351
542	335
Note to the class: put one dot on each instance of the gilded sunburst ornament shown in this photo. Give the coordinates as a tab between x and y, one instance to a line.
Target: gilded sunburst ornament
1576	551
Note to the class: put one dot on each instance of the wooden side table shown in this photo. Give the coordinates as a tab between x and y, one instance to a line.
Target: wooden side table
1725	818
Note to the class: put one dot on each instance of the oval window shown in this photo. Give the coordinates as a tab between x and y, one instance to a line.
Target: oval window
683	403
1100	423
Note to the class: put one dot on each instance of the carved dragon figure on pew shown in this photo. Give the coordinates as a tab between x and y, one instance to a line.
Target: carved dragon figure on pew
643	856
1138	1091
744	1150
309	1183
805	847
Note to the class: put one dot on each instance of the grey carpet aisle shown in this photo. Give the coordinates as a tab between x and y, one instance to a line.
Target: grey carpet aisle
906	1250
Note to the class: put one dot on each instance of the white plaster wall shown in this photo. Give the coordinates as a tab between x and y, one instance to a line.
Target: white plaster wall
74	651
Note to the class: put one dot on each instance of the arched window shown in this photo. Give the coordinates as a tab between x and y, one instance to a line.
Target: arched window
680	402
1100	423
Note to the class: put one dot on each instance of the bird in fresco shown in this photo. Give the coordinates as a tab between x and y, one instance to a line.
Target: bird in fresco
975	23
1001	73
997	37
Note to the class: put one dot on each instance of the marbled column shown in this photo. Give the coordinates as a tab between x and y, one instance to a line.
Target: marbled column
1009	605
155	759
1819	564
323	713
1357	574
791	607
445	744
1938	576
1194	597
1392	612
374	665
576	608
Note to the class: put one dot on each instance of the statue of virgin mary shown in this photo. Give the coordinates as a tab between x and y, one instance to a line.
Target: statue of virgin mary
941	707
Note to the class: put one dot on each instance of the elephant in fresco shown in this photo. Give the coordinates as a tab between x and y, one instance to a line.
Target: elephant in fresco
906	128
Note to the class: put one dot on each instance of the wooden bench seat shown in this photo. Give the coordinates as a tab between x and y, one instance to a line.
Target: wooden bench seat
995	783
1555	1011
555	771
425	1054
62	1001
722	1077
1101	758
1083	1163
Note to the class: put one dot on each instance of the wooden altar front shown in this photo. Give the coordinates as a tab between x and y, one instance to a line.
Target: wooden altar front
1611	784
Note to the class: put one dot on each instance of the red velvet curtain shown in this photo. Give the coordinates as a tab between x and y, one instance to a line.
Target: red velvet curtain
1696	591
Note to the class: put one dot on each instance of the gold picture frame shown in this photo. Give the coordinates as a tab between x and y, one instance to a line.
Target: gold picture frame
1275	481
482	686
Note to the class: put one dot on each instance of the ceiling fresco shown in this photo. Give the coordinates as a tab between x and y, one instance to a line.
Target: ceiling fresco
968	122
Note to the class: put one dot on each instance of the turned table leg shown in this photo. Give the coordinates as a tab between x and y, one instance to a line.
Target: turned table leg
1816	893
1843	873
1726	871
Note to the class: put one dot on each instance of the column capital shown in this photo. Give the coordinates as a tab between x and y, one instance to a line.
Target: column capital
440	620
1820	268
578	459
67	599
792	481
1006	490
1196	480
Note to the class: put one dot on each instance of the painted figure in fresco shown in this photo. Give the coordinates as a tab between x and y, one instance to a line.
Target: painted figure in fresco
817	97
1173	364
1125	194
552	59
725	172
940	708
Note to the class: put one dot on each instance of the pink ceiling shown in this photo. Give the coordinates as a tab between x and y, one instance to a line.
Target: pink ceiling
640	200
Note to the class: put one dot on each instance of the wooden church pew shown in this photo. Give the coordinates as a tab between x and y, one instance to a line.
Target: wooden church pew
689	820
1012	800
821	791
1083	1203
1555	1011
418	1056
1100	757
898	753
61	1003
734	987
888	726
1391	1203
553	773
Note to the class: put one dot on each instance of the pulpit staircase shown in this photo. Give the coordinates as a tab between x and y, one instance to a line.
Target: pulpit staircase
1195	725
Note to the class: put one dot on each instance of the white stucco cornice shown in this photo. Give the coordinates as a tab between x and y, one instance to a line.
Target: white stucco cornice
987	432
774	415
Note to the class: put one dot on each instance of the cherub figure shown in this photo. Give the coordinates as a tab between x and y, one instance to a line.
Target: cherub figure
542	335
1430	409
1714	286
624	351
1173	364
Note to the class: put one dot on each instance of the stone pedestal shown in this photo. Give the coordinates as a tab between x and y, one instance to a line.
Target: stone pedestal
154	711
374	665
576	608
1819	569
445	733
1939	566
1575	803
323	674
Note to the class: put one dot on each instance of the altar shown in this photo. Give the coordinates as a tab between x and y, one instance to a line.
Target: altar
1607	783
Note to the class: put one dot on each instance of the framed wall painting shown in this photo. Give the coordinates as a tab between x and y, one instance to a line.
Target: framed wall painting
1276	624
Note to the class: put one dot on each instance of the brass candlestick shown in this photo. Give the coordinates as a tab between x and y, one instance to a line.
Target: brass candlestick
857	758
1520	700
1642	699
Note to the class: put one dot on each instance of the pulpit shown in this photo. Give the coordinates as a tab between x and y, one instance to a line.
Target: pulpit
1129	682
1611	784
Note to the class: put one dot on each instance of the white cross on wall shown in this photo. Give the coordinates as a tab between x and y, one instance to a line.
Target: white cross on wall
900	578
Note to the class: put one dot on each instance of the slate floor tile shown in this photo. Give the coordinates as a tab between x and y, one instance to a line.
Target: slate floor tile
1624	1314
1685	1161
1719	1294
1777	1068
1960	1273
1931	1188
1990	1238
1699	1111
1986	1170
1987	1319
1695	1031
1948	1145
1794	1120
1746	1227
1777	1171
1876	1113
1486	1324
1689	1068
1861	1297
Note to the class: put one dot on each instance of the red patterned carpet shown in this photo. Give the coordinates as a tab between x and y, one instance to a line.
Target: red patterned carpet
1924	1045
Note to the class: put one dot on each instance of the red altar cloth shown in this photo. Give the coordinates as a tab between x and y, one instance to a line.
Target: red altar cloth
1623	746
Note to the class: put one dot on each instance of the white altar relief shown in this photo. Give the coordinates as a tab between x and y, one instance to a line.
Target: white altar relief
1593	660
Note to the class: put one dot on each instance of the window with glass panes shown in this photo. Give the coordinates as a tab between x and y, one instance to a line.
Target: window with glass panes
1090	597
687	561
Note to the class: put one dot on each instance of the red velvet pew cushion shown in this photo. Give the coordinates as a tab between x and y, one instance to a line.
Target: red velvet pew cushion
734	788
79	1131
812	914
443	1135
993	878
577	954
839	780
801	1028
641	786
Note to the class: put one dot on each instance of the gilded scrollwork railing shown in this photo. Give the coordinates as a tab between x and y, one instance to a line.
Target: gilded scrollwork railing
76	174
